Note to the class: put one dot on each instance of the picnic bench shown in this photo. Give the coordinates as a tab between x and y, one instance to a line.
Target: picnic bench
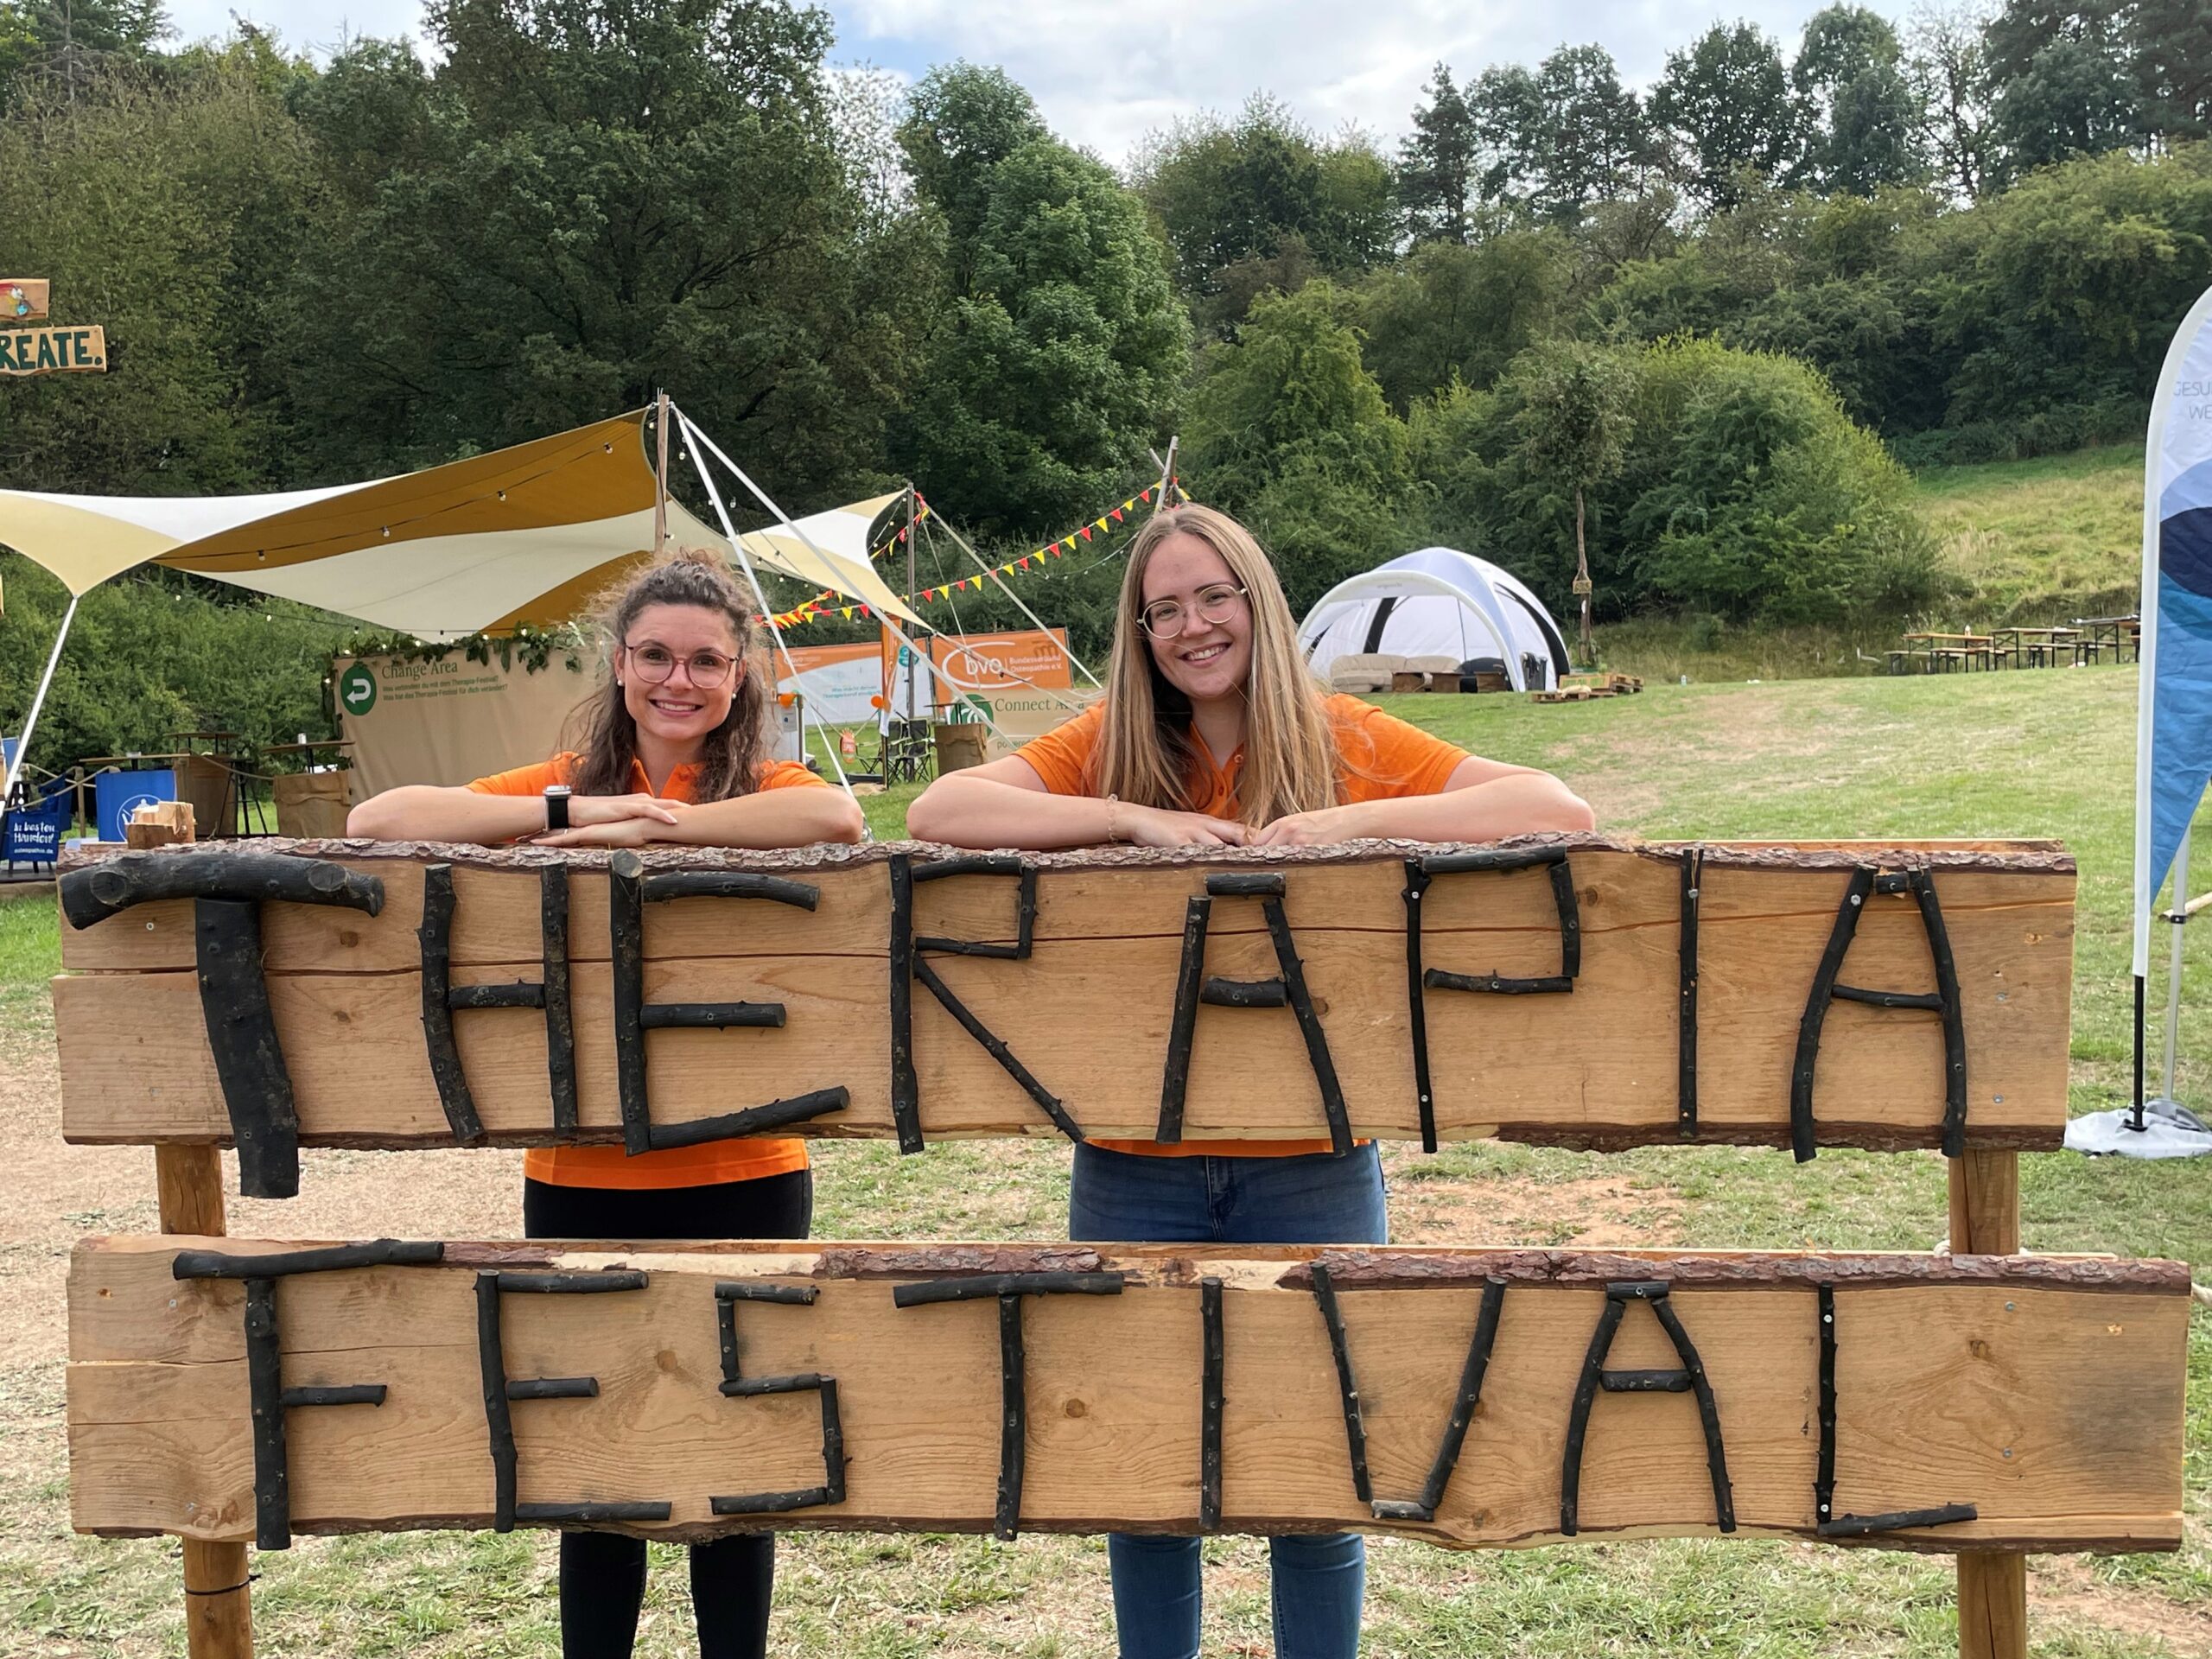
1942	653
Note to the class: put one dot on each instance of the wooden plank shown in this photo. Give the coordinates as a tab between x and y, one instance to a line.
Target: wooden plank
2045	1392
24	299
1090	1012
27	351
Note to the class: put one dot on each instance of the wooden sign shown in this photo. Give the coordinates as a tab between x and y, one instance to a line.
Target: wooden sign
23	299
1572	990
226	1389
26	352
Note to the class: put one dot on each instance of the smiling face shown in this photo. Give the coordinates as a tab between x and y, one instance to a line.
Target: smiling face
678	710
1205	661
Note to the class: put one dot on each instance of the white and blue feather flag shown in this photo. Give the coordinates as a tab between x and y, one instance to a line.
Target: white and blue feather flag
2173	742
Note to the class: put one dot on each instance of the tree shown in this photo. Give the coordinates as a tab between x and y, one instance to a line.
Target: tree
1506	110
1261	204
1056	367
1436	164
1459	312
2173	66
64	45
1863	117
961	121
1573	426
173	215
2064	80
1594	137
580	206
1287	429
1726	100
1948	66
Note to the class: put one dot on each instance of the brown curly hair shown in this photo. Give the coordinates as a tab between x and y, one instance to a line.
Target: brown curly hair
603	735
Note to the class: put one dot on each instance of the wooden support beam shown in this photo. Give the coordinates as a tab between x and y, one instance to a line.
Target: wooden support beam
854	1386
218	1608
1992	1587
1082	999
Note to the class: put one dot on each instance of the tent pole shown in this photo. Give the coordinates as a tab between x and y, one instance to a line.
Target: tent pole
38	702
913	536
2177	917
768	615
701	441
2135	1116
994	574
1166	475
660	475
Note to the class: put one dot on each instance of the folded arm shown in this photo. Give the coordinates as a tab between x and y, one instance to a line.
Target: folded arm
1005	804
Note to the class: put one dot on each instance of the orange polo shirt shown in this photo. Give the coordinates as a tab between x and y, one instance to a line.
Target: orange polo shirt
1381	758
714	1161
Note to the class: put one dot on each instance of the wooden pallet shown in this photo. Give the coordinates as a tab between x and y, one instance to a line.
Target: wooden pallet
1583	687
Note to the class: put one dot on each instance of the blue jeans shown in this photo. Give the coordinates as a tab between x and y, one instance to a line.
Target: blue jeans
1318	1582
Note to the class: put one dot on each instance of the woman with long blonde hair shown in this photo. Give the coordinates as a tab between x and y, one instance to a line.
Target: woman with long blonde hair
1212	733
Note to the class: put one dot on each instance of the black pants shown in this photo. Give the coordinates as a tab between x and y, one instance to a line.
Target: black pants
603	1574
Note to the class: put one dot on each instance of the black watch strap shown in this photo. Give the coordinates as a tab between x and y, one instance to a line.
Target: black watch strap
556	806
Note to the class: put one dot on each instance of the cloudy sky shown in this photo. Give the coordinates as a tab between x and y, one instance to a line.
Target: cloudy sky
1107	71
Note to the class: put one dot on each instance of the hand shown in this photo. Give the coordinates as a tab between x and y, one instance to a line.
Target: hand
585	810
621	832
1155	826
1323	828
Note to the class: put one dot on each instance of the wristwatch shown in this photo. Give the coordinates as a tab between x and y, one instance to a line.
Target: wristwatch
556	806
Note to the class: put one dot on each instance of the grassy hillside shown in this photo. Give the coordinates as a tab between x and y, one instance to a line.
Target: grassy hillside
2033	542
2042	541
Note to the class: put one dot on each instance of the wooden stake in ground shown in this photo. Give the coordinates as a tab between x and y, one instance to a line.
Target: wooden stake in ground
218	1610
1992	1587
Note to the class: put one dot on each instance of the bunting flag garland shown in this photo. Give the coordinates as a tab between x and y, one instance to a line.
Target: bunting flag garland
823	604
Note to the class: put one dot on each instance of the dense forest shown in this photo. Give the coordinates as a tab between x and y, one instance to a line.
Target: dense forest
1715	319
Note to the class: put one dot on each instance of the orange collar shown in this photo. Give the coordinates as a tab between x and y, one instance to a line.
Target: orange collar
682	783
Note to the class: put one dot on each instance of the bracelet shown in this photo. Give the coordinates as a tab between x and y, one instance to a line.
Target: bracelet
1112	801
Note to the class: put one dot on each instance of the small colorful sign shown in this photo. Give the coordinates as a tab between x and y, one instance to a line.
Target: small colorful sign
26	352
24	299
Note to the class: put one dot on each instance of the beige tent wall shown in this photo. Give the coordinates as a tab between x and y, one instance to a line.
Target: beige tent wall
449	720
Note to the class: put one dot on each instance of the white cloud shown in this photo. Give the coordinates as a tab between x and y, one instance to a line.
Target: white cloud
1106	71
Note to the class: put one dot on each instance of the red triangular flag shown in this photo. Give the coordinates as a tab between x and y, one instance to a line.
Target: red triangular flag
1115	515
1084	533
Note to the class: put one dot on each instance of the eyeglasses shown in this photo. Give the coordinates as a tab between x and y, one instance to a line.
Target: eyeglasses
652	662
1163	619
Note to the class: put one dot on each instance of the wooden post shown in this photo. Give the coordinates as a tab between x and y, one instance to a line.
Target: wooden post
1992	1587
218	1612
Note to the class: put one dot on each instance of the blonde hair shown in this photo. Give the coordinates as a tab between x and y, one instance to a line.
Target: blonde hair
1146	753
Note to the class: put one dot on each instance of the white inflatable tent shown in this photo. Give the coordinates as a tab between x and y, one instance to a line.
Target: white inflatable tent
1438	602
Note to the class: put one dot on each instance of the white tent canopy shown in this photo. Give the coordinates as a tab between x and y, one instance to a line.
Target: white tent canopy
520	535
1438	602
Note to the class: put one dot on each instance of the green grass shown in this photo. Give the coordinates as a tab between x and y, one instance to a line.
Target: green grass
2042	541
2027	754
